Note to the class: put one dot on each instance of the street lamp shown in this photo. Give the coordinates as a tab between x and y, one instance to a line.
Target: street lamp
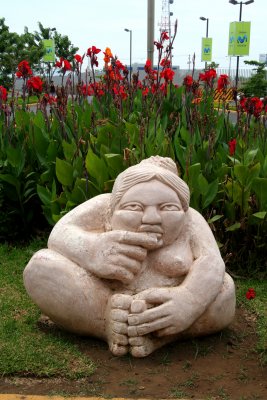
129	30
234	2
207	32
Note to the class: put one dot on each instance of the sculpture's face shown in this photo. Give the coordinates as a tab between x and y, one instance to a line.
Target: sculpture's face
150	207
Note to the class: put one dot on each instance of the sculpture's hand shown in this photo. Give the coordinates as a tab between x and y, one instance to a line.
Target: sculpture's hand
119	254
169	312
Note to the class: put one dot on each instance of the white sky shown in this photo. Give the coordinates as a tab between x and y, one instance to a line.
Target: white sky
102	22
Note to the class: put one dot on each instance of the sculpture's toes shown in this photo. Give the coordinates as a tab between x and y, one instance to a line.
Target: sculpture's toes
141	346
118	324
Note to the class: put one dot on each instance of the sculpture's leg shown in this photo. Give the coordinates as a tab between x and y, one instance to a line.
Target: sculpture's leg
219	314
71	297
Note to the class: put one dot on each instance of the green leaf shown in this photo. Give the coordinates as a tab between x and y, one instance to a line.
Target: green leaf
211	193
64	172
96	167
214	219
44	194
260	214
16	158
69	149
259	185
233	227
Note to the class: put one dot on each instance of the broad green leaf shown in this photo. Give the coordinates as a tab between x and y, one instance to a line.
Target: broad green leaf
260	214
211	193
64	172
259	185
96	167
16	158
44	194
69	149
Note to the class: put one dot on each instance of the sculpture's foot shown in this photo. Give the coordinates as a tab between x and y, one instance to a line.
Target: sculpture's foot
117	324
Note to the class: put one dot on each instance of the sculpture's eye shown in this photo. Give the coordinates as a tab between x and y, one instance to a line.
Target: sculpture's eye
170	207
132	207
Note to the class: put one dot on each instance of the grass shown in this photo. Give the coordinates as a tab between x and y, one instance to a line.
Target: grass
27	350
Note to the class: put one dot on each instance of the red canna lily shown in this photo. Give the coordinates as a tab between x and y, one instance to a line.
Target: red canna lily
145	92
148	66
165	63
232	146
208	76
251	294
92	51
36	84
3	93
188	81
78	58
158	45
24	70
223	81
164	36
167	74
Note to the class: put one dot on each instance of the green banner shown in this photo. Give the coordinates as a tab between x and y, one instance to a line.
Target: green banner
206	52
49	46
239	38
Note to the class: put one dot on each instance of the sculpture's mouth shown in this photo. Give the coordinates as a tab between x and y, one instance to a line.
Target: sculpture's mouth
155	229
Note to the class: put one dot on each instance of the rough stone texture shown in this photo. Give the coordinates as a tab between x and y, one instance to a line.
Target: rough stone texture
137	268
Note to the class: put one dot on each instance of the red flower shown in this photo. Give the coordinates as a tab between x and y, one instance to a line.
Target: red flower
251	294
167	74
232	146
36	84
92	51
24	70
208	76
119	65
253	105
3	93
188	81
64	64
158	45
147	67
78	58
165	62
164	36
223	81
145	92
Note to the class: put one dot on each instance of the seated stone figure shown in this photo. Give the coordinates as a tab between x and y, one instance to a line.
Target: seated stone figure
137	267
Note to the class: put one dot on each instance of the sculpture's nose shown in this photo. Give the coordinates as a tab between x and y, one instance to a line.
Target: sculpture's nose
151	216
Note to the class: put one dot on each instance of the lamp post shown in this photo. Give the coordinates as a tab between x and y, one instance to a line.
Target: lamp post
207	33
129	30
234	2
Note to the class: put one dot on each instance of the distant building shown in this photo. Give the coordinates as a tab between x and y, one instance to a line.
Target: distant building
263	58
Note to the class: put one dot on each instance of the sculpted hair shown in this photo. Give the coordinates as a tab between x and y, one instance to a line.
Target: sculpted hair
156	167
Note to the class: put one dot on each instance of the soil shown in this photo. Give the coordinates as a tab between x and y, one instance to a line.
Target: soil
221	366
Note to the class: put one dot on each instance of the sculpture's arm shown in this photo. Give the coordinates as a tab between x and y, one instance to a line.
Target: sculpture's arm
80	236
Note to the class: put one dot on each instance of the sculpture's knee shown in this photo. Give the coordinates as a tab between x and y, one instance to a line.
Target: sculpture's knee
65	292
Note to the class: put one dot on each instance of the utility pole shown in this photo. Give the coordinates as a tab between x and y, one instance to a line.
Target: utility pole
189	62
150	30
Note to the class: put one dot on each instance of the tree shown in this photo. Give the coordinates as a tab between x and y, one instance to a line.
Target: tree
13	49
63	46
256	85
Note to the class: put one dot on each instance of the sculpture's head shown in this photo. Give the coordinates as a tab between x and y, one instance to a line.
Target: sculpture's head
150	197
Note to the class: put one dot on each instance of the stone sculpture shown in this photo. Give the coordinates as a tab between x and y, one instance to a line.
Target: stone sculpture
137	267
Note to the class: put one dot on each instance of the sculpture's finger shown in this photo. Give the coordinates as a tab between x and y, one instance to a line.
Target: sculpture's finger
144	329
155	295
146	240
148	316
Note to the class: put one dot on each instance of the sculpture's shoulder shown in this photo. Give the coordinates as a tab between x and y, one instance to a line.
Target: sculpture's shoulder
201	235
93	214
